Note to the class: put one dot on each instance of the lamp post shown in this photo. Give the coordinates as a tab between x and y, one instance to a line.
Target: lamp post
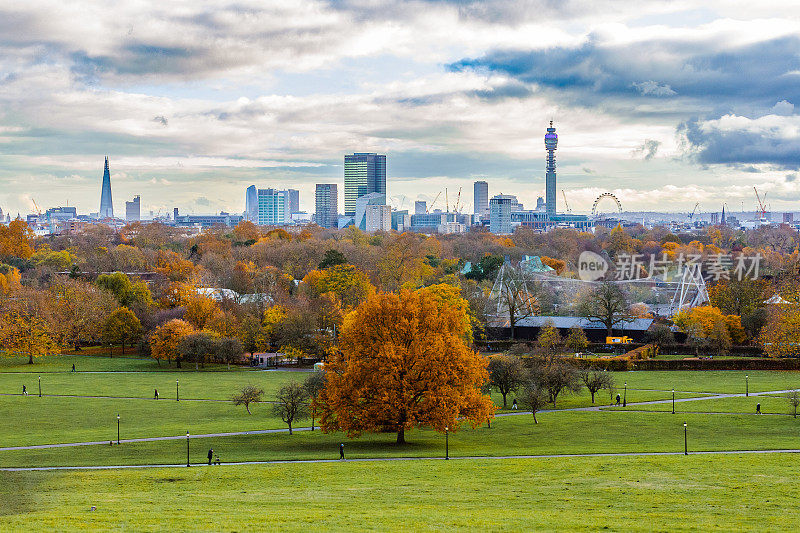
673	401
177	391
187	448
747	385
685	441
447	442
117	428
40	386
625	395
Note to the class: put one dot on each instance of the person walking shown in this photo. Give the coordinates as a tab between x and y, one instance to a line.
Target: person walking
618	398
210	455
73	367
155	396
514	404
24	391
341	451
758	408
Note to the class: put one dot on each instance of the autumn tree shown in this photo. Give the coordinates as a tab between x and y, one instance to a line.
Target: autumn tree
16	240
403	362
249	394
607	303
197	346
532	395
549	339
596	380
557	377
313	385
127	292
506	373
780	336
164	339
349	284
291	403
81	309
576	341
28	334
122	327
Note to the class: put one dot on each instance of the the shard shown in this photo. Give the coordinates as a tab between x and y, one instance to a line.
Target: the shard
106	205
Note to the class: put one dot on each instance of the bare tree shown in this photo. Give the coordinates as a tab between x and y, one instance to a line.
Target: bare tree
793	397
532	395
557	377
313	385
249	394
291	403
506	373
596	380
608	304
514	296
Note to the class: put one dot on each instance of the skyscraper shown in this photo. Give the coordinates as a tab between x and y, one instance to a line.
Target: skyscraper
364	173
106	205
550	143
294	201
273	207
501	207
327	205
420	207
251	204
133	210
481	198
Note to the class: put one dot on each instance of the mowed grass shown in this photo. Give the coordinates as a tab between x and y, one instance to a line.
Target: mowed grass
559	432
694	493
770	404
716	381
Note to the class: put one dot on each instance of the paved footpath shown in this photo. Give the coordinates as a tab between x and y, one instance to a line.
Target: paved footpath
388	459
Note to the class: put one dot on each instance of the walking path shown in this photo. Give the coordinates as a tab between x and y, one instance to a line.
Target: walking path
387	459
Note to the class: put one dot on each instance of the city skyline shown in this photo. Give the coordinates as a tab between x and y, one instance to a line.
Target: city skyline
453	93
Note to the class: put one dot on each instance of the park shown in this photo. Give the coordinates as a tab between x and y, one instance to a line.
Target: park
582	465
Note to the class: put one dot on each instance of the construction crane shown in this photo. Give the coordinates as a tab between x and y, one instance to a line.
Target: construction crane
565	201
691	215
458	201
428	209
38	211
762	207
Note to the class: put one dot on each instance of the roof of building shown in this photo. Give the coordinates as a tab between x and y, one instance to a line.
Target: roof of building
566	322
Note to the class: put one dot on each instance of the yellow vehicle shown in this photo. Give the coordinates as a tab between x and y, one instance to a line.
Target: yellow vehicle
618	340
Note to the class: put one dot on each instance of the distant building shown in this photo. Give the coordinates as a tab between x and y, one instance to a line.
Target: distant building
106	204
251	204
207	221
431	222
452	227
378	218
326	197
420	207
273	207
481	198
788	218
500	209
60	213
294	200
401	220
360	219
550	144
540	205
364	173
133	210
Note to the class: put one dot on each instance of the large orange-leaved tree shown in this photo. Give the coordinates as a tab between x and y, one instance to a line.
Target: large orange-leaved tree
404	361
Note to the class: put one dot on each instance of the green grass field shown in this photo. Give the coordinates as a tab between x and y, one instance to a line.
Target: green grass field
623	493
739	492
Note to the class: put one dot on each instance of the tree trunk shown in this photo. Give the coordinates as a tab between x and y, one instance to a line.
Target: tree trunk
30	358
247	406
534	418
504	399
401	436
123	347
592	397
290	428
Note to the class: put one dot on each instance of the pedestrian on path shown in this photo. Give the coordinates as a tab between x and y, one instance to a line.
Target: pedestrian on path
341	451
210	455
73	367
514	404
155	397
758	409
618	398
24	391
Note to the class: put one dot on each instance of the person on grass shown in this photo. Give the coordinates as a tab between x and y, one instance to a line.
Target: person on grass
210	455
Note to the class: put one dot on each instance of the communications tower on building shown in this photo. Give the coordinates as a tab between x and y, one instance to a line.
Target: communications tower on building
550	144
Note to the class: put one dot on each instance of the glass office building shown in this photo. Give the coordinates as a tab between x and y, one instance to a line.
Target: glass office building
364	173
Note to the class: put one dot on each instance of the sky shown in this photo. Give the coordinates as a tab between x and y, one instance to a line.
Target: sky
663	103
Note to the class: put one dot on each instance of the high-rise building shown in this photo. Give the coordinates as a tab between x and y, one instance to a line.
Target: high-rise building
500	209
251	204
788	218
481	198
420	207
373	198
378	218
273	207
327	205
294	200
133	210
364	173
106	204
550	144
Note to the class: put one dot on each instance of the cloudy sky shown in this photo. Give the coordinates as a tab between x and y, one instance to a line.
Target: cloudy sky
663	103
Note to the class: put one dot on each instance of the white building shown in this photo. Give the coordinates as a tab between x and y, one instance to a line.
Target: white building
378	218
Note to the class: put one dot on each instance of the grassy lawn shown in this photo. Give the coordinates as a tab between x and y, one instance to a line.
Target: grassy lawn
717	381
739	492
770	404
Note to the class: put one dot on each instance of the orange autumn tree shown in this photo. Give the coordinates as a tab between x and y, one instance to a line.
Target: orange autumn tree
403	362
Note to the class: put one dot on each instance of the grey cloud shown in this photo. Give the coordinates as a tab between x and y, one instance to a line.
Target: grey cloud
652	88
791	177
202	200
647	150
783	108
161	119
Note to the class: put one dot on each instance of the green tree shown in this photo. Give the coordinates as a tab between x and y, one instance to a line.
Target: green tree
128	293
576	340
249	394
506	373
291	403
122	327
549	339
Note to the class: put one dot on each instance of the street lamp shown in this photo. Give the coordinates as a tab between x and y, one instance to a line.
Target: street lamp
685	441
177	391
117	428
673	401
447	442
187	448
625	395
40	386
747	385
